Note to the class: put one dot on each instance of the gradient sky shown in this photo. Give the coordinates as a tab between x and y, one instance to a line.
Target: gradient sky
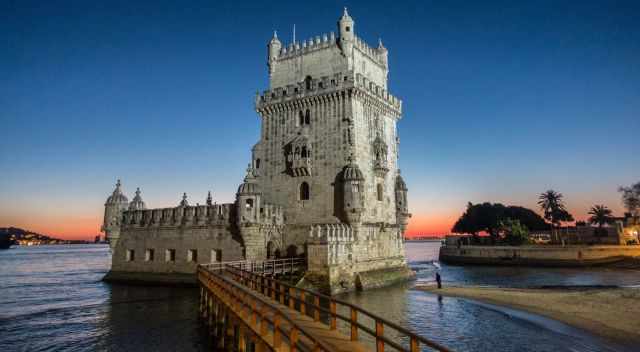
502	100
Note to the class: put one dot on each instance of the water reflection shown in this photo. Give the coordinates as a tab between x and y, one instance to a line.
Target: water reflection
52	298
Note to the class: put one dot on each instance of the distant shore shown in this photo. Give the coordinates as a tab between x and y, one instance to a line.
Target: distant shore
610	312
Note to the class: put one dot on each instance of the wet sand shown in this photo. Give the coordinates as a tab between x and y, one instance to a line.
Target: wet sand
610	312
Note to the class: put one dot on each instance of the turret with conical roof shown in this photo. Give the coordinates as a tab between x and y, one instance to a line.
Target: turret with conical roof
116	203
353	187
402	208
345	27
274	48
248	199
137	203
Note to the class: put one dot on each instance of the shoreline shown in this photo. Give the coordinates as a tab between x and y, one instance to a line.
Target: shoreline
607	312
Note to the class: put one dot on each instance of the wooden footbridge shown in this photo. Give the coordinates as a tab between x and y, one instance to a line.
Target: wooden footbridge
247	308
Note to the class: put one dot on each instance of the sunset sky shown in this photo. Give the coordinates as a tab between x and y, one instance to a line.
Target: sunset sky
502	100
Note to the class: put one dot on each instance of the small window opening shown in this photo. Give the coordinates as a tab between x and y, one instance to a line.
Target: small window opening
216	255
248	203
258	163
348	28
300	118
304	191
131	255
148	256
192	255
307	117
170	255
307	82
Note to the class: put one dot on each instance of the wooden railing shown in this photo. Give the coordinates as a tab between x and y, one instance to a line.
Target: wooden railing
265	267
265	320
308	302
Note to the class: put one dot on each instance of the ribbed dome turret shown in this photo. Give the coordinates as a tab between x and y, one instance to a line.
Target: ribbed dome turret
137	203
352	172
249	186
117	196
400	185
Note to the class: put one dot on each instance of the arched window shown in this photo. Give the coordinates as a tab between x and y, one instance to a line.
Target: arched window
258	163
307	117
307	82
303	153
300	118
379	191
304	191
249	204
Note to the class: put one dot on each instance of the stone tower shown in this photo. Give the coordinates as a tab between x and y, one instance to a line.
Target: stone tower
113	208
328	148
327	104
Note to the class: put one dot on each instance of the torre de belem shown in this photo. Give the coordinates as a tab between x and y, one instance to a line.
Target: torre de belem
323	181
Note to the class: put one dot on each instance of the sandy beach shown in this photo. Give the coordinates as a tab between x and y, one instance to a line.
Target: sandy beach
610	312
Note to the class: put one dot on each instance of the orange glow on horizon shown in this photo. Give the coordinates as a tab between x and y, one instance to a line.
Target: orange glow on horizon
86	227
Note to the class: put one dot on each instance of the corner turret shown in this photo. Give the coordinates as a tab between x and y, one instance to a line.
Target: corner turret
137	203
248	200
346	30
274	48
383	53
353	187
113	208
402	208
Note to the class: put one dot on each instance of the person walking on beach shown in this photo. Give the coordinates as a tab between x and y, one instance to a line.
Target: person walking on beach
438	280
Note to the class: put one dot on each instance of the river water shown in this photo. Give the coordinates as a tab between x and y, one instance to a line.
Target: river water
52	298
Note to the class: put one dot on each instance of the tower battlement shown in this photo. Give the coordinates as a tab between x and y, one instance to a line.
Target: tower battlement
328	85
319	42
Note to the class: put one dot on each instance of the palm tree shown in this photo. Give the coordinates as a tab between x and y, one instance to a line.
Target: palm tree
552	205
600	215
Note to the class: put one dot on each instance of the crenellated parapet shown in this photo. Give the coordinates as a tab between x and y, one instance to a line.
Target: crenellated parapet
198	215
336	242
377	95
305	92
325	41
327	88
271	214
296	49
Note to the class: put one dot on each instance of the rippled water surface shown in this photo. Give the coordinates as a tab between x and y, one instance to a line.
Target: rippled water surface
51	298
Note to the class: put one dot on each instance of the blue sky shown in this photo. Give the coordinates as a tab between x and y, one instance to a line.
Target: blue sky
502	100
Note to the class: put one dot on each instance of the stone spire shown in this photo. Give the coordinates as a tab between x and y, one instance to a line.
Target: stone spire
117	196
345	26
209	199
137	203
183	202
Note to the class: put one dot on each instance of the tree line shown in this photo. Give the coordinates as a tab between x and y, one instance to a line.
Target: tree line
512	224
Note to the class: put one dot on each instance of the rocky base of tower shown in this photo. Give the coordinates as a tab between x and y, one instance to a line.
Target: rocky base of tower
341	279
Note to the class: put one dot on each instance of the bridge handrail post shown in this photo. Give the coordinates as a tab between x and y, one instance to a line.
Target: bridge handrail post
316	306
303	303
379	336
277	339
293	339
354	324
273	289
333	319
292	302
281	294
414	344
